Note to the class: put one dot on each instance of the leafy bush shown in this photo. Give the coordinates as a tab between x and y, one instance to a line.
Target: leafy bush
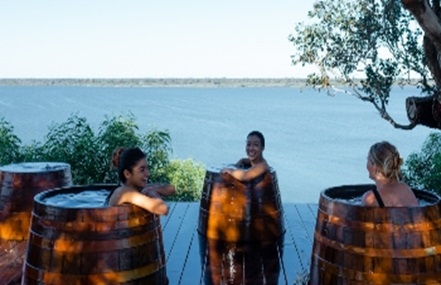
89	154
157	147
112	133
188	178
9	143
73	142
423	169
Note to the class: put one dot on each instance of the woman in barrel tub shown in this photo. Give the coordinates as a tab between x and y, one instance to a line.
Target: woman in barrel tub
383	165
254	165
133	174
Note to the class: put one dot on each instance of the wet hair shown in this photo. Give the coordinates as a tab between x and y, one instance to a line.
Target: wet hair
126	159
387	159
259	135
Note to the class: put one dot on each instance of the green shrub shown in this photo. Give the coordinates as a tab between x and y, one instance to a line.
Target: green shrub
188	178
9	143
32	152
422	169
89	154
112	133
157	146
74	142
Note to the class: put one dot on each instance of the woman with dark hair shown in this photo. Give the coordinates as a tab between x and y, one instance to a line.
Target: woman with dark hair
254	165
133	174
384	167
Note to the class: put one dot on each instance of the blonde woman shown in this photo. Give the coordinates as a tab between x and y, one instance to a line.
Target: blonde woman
384	167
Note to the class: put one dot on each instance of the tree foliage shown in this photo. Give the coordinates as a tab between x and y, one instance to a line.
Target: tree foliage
157	146
422	169
186	176
367	46
112	133
74	142
89	152
9	142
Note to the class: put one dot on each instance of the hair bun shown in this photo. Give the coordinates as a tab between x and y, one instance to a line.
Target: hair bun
116	155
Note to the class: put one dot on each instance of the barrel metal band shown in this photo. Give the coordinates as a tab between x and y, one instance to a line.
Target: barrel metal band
421	226
379	252
376	278
69	245
33	273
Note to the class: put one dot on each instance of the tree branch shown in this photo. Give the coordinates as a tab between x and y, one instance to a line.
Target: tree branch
426	18
381	109
431	56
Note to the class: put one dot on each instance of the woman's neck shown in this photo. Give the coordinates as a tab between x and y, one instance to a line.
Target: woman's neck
130	185
257	160
385	182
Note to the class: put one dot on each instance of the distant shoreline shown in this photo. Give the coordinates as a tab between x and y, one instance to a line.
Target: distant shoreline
166	82
157	82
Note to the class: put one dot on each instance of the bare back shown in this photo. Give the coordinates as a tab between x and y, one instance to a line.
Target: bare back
397	195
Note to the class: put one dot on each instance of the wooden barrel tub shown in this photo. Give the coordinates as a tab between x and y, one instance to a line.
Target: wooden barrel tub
234	211
88	243
240	262
371	245
19	183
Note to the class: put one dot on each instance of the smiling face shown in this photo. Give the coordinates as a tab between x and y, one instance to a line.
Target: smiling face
254	149
138	176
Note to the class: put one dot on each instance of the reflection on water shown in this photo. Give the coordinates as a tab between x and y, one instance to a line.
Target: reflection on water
241	262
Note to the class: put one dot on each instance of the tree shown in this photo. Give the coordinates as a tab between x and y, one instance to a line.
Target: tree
9	143
369	45
89	153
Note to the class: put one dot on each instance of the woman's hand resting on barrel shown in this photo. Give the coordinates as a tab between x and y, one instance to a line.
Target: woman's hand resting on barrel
246	175
160	189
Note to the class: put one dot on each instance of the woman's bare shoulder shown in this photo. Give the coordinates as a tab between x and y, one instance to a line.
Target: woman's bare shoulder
408	198
262	166
368	199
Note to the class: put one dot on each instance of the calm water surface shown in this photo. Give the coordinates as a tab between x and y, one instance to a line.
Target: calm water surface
84	199
313	141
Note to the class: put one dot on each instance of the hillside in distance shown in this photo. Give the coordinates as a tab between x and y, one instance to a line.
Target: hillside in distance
156	82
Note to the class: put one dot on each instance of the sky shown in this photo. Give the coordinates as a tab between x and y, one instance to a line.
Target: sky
149	39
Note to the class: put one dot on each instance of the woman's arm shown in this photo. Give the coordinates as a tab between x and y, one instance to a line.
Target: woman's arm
153	204
248	174
160	188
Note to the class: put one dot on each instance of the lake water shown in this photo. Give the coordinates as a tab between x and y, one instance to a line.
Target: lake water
313	141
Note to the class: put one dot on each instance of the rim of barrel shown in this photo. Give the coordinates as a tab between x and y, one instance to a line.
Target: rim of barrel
345	193
70	189
33	167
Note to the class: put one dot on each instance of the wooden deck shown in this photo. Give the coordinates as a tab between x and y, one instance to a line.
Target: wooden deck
182	246
11	261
